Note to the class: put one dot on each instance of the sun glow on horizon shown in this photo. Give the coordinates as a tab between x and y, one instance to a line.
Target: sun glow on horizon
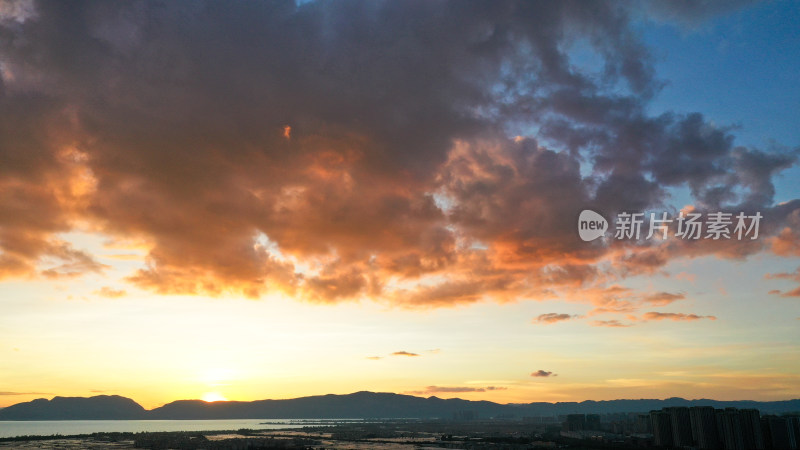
211	397
283	227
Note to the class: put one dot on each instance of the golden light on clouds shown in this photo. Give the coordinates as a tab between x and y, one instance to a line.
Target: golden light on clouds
299	198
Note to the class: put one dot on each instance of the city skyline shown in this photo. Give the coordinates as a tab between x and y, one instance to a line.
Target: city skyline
253	200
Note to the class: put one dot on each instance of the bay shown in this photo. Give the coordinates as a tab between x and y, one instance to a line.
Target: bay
13	428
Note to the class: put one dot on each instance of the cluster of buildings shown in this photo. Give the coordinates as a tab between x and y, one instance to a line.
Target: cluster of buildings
681	427
705	427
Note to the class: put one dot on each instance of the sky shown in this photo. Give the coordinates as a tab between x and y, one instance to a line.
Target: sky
253	200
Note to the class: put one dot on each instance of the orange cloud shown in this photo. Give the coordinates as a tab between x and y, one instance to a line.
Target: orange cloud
109	292
791	293
787	241
402	190
663	298
794	276
686	276
784	275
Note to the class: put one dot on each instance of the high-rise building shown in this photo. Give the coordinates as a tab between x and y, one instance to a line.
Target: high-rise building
643	424
662	428
592	421
575	422
794	428
751	429
729	426
704	427
681	426
780	433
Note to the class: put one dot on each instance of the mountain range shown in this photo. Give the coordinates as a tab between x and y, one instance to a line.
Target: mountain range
355	406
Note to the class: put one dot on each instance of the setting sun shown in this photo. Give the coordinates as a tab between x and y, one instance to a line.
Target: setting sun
514	202
213	397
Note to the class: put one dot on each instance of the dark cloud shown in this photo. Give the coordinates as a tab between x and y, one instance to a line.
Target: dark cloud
543	373
693	12
400	177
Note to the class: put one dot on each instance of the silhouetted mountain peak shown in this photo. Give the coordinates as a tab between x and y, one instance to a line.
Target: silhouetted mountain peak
109	407
362	404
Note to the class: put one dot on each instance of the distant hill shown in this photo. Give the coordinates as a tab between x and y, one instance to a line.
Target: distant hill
645	405
357	405
108	407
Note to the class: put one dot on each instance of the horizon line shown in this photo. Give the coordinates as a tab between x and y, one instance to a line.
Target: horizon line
400	394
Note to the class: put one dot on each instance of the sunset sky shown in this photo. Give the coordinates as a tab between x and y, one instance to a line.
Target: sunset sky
252	200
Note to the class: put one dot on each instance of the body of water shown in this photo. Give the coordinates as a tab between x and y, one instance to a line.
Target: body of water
70	427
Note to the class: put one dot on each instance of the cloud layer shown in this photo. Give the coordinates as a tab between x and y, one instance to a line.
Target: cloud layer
422	153
429	390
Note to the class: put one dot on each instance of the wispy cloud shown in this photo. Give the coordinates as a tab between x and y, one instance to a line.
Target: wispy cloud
610	323
675	316
24	393
455	389
401	353
784	275
792	293
109	292
404	353
553	318
663	298
794	276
